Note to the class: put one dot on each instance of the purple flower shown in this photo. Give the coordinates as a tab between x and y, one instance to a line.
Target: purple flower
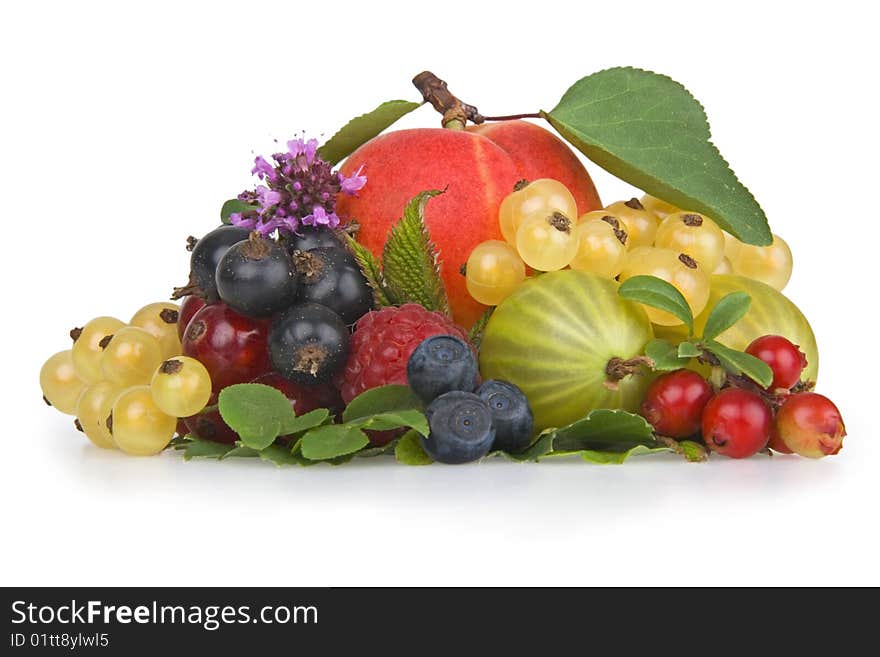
300	189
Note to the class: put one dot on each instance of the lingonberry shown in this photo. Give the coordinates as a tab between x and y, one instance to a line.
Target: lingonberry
674	403
230	346
810	424
785	359
736	423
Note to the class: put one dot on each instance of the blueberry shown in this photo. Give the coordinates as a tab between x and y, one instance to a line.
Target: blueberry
440	364
511	414
256	278
461	428
331	276
308	344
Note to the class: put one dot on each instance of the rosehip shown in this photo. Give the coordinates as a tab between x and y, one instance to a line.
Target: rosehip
736	423
809	424
785	359
674	403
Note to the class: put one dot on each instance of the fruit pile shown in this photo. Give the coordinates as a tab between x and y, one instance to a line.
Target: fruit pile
447	294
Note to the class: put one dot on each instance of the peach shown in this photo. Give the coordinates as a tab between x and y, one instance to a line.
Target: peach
477	167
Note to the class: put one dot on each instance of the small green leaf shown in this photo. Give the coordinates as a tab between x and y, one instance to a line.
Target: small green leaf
256	412
657	293
665	356
372	271
688	350
240	451
383	399
409	450
650	131
738	362
617	458
279	455
233	206
298	424
332	441
410	261
361	129
727	312
693	451
196	448
394	420
537	450
606	428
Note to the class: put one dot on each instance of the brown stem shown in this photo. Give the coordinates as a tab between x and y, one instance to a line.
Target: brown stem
456	113
618	368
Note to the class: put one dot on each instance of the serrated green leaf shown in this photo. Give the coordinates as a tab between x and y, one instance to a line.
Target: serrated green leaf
361	129
727	312
372	271
650	131
613	430
409	450
688	350
657	293
665	356
196	448
738	362
394	420
383	399
256	412
332	441
232	206
279	455
410	262
475	335
299	423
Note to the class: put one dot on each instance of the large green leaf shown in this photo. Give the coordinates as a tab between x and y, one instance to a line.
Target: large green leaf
650	131
605	429
361	129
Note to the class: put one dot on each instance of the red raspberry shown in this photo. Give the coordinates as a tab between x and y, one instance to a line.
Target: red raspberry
383	342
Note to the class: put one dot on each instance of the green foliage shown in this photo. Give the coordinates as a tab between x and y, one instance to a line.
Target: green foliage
233	206
727	312
650	131
409	260
361	129
257	413
408	450
665	355
657	293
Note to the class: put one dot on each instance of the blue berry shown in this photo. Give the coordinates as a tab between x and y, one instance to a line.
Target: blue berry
461	428
440	364
511	414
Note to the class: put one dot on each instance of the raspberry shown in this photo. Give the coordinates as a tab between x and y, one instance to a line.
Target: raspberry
382	343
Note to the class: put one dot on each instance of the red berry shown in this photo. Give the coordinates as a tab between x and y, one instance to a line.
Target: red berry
775	443
383	342
231	347
810	424
188	307
304	398
210	425
785	359
674	403
736	423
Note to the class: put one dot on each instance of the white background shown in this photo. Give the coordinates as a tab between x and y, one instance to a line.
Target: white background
124	128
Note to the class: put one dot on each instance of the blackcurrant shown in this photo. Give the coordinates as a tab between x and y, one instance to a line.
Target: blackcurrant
308	344
256	278
332	277
312	237
206	255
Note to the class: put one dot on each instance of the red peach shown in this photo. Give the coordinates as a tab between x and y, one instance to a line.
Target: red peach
476	172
